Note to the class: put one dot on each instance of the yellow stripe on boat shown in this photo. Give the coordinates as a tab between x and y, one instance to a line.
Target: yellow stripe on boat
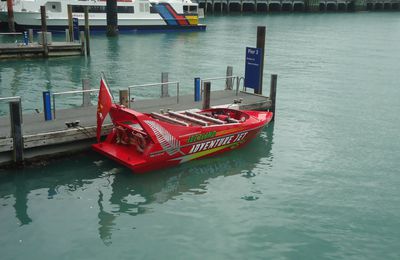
193	19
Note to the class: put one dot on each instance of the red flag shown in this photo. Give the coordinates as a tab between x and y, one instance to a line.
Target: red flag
103	106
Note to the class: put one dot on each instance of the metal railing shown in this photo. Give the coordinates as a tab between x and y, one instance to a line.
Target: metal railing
152	85
8	99
234	79
53	96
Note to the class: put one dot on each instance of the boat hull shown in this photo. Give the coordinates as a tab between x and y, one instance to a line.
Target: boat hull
189	143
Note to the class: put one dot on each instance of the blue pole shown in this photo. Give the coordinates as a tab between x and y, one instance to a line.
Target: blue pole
197	96
47	105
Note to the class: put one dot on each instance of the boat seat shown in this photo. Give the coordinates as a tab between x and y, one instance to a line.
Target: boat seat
168	119
188	118
206	118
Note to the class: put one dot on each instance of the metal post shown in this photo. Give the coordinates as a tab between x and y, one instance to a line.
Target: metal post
164	87
197	95
10	12
123	98
229	81
44	30
261	44
16	131
47	105
87	31
207	95
86	95
272	94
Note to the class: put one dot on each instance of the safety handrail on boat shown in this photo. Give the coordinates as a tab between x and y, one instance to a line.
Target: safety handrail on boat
153	85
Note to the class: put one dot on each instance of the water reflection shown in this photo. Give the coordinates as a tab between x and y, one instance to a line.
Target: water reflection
133	194
118	192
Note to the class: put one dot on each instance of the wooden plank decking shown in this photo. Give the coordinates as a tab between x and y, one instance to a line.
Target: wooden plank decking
34	50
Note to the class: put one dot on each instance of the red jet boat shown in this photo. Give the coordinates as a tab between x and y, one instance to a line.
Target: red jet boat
149	141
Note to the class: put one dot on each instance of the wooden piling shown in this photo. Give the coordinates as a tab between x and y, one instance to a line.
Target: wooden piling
16	131
112	18
44	30
164	88
272	93
123	98
206	95
83	42
229	81
261	45
10	12
87	31
70	23
86	95
30	33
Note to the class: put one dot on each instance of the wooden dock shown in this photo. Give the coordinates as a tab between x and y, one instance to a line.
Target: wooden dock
42	139
35	50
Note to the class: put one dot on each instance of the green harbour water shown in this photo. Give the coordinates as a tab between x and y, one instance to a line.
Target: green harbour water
321	182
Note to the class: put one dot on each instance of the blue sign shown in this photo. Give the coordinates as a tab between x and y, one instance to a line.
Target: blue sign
75	25
252	74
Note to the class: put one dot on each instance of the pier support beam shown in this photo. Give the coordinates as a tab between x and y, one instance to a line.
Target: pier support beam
206	95
123	97
229	82
112	18
30	33
164	88
16	131
86	95
87	31
70	25
10	12
272	93
44	30
261	44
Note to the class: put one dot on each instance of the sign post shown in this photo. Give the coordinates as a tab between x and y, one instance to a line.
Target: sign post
253	69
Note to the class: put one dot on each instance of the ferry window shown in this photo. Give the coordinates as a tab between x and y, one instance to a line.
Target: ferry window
153	10
147	7
97	9
125	9
193	9
185	8
77	9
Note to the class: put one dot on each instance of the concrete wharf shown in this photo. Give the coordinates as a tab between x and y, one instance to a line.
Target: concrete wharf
42	139
263	6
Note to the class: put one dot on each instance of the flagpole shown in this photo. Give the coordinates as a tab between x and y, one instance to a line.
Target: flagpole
105	79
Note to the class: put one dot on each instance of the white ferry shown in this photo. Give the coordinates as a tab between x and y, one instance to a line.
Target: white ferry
133	15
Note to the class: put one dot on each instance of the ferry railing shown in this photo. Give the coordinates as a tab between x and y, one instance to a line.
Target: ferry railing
232	78
154	85
53	96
